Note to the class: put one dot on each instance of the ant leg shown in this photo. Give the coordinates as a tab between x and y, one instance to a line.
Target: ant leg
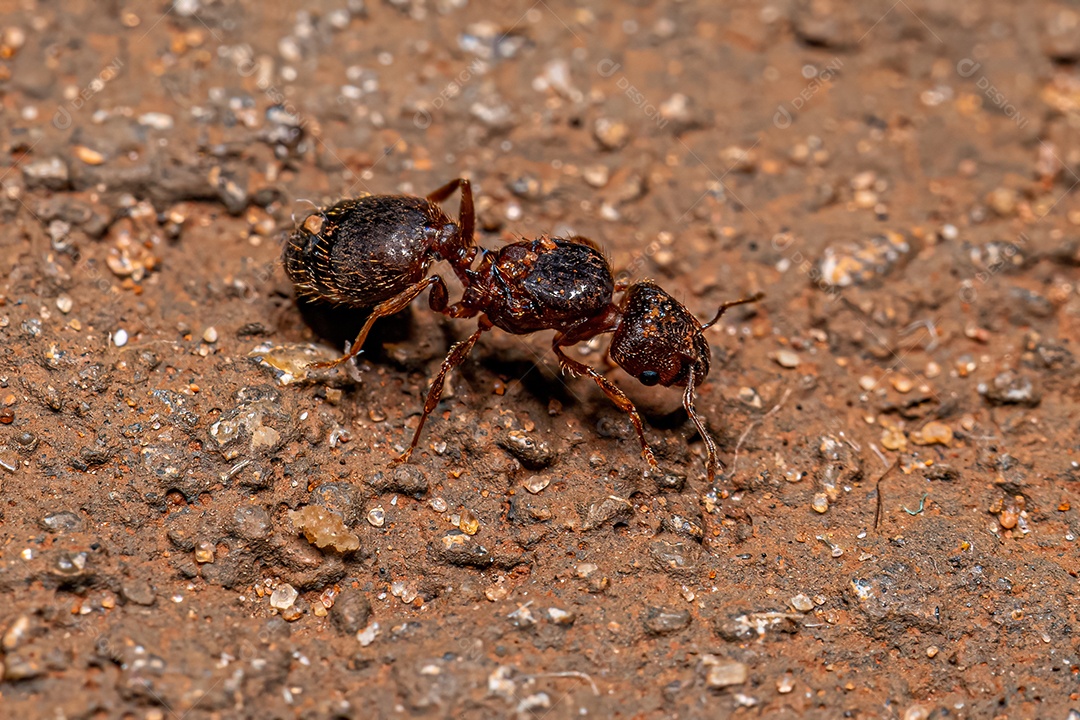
613	393
448	189
455	357
466	213
730	304
711	461
388	307
439	301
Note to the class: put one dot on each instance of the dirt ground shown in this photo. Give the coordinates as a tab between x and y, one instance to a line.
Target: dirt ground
895	533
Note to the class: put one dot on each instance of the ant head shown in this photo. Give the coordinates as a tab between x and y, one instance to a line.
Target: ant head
658	341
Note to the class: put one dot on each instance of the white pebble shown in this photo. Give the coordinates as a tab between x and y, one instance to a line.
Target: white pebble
787	359
210	335
283	597
368	634
156	120
120	338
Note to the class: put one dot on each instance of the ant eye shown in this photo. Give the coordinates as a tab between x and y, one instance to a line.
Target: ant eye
649	377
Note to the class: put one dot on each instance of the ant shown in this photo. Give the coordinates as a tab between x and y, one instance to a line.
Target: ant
560	284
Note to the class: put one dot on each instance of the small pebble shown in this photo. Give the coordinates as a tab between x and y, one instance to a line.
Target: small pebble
495	593
916	712
865	199
210	335
722	673
64	303
820	503
1002	201
931	651
156	120
933	433
468	524
611	134
893	438
283	597
802	603
120	338
402	591
89	156
204	552
51	173
786	358
438	504
864	180
13	37
596	175
785	684
586	569
376	517
367	636
293	613
965	365
536	484
738	159
977	333
902	383
750	396
560	616
663	621
17	633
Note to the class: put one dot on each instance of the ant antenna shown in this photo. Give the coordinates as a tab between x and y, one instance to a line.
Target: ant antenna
730	304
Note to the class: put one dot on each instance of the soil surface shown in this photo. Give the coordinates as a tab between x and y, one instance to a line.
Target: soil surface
894	534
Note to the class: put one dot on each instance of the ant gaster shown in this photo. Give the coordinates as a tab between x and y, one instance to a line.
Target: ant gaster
373	252
561	284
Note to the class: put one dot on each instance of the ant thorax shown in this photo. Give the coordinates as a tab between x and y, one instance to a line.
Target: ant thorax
546	284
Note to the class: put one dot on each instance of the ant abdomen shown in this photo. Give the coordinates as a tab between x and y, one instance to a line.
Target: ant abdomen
358	253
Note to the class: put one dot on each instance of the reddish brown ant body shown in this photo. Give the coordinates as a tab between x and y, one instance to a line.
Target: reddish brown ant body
560	284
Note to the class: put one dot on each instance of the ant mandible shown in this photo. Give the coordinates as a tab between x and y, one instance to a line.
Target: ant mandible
561	284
